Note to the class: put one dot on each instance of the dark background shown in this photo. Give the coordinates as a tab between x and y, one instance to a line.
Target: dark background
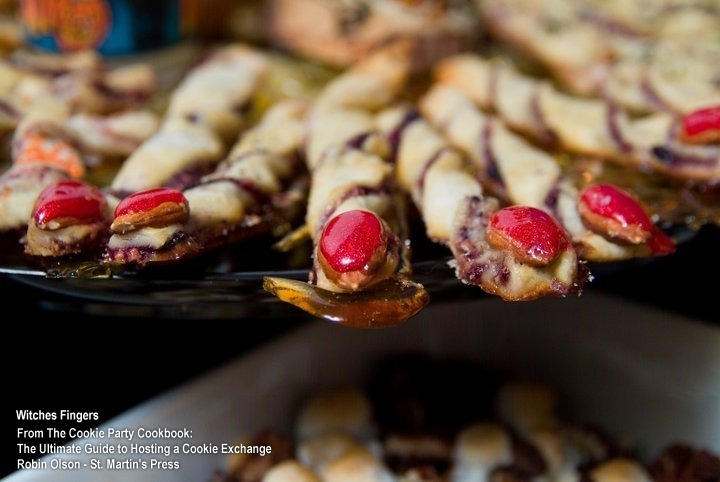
102	363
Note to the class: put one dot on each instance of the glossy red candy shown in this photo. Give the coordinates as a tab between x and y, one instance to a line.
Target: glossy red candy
144	201
530	234
350	240
702	125
609	210
69	200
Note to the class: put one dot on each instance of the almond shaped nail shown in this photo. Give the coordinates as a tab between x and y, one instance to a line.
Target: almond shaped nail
701	126
152	207
67	203
354	247
531	235
611	212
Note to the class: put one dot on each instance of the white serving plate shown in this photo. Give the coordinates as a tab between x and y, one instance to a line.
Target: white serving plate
648	376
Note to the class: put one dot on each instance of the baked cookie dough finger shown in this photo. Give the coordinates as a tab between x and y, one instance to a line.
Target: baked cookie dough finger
217	93
552	33
604	223
43	152
488	248
343	110
50	147
227	205
263	164
176	156
645	56
77	80
206	110
69	217
595	127
354	212
351	216
345	32
352	221
53	103
186	145
114	136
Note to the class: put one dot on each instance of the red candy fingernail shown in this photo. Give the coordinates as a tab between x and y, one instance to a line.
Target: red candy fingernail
69	200
610	211
350	240
530	234
701	126
148	200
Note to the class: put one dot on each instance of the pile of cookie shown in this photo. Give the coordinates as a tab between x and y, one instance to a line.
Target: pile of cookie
427	420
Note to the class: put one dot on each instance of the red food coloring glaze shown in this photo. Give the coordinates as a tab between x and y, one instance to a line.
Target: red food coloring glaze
148	200
69	199
349	240
612	203
702	122
532	234
661	244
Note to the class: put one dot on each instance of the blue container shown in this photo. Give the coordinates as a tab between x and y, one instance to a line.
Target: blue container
111	27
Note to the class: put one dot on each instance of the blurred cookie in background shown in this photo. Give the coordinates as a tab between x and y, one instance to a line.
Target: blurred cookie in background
339	32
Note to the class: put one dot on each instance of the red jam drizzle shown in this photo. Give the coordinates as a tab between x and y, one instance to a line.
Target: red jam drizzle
148	200
530	233
69	199
350	239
